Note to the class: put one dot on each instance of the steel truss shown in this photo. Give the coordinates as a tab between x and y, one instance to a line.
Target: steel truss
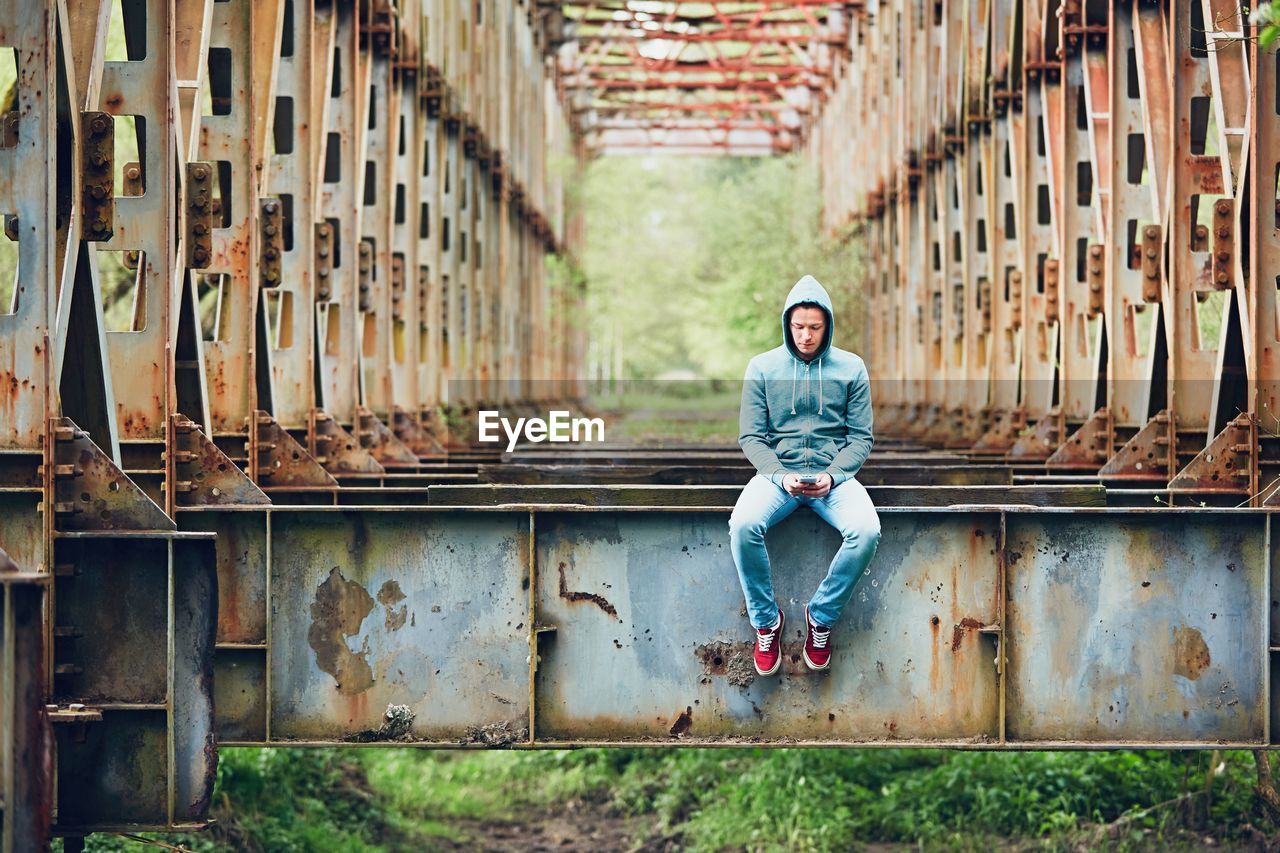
1068	211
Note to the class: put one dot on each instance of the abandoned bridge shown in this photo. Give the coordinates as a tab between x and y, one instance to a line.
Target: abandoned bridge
263	260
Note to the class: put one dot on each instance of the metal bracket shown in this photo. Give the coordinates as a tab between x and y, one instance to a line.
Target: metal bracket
1223	226
271	232
1152	269
91	493
97	180
380	442
1088	447
277	459
1095	277
336	449
413	435
1051	291
204	475
324	260
1225	464
1044	437
397	286
365	273
199	220
1149	455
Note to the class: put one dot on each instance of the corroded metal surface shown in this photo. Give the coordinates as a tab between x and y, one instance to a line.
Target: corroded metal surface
647	620
952	637
424	610
1135	632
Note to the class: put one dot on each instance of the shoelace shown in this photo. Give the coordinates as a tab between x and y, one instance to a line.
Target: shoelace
765	640
820	637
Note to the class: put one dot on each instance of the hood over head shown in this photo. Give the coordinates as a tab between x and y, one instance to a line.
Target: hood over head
808	289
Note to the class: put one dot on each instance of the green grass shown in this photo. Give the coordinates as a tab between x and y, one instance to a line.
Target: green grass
672	412
736	799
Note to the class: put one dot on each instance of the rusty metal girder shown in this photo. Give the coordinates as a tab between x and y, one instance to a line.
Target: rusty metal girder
759	65
1054	208
201	155
966	630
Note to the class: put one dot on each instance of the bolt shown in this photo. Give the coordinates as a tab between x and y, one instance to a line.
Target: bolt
1224	233
1151	232
199	255
98	191
133	173
99	125
1223	257
269	230
199	229
1222	278
269	207
200	173
99	225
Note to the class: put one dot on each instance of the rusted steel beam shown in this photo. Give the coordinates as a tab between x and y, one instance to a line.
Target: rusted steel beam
716	495
983	587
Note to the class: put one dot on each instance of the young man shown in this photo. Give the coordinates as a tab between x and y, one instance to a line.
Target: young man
805	424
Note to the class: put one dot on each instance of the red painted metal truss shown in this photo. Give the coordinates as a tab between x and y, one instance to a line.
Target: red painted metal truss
711	77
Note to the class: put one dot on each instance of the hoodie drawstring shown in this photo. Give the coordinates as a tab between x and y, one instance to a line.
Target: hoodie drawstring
795	362
819	387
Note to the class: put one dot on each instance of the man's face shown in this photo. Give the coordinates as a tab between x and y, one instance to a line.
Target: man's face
808	326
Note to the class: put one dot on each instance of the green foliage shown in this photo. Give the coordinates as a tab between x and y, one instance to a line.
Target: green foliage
688	260
1267	18
717	799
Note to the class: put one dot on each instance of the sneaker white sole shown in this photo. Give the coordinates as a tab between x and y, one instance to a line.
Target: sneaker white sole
813	666
777	640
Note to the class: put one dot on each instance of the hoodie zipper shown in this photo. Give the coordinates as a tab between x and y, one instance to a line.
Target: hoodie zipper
808	453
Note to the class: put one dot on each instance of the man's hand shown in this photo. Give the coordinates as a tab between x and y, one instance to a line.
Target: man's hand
792	484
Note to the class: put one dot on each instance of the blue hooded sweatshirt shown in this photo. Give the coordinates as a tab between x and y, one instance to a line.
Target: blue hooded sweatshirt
806	417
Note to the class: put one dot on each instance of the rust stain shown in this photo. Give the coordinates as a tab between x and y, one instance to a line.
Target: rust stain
957	633
389	596
1190	652
934	622
598	600
339	608
684	722
732	660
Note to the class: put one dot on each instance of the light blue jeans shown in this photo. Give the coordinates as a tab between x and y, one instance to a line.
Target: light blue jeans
761	505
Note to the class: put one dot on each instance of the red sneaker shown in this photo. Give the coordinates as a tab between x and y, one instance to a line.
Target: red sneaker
817	643
768	652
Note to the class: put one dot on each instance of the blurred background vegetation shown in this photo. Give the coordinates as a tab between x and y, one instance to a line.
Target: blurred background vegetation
725	799
688	261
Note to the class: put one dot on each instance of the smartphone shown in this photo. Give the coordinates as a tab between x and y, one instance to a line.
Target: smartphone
808	479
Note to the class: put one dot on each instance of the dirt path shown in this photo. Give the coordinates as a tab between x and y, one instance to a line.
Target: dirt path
572	827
